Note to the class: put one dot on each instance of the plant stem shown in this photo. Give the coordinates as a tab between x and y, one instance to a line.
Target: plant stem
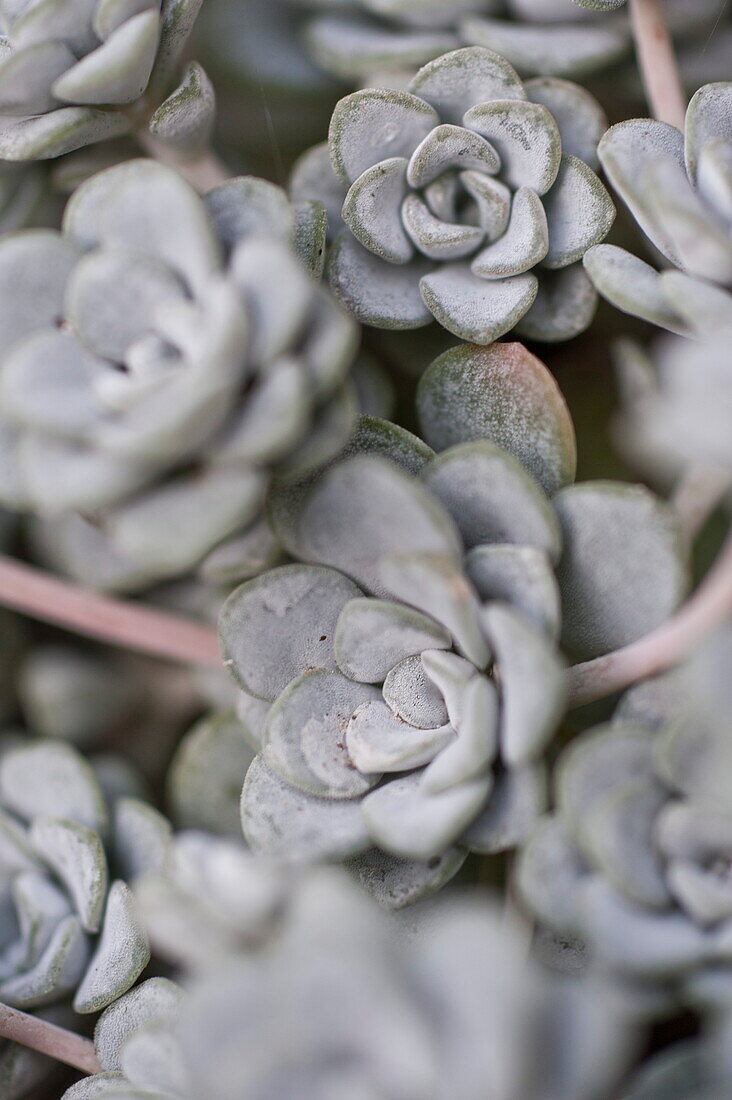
121	622
708	607
56	1042
657	62
203	173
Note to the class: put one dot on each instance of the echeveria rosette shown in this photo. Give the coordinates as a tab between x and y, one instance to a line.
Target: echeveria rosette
463	203
636	859
69	934
678	187
345	1001
404	683
84	71
161	356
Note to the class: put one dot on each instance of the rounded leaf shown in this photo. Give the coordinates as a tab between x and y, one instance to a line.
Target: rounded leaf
505	394
280	624
623	568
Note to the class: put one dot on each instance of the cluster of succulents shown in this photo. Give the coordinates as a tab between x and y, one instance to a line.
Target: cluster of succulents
343	1002
635	861
466	200
677	187
406	774
156	379
402	686
75	74
70	934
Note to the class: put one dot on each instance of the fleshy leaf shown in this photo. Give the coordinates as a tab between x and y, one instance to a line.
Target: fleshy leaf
372	210
75	854
407	821
372	636
521	576
206	776
623	569
532	684
458	80
504	394
396	883
122	953
156	998
280	821
379	742
413	697
304	736
526	138
375	124
470	755
51	779
277	626
477	310
579	213
516	802
376	292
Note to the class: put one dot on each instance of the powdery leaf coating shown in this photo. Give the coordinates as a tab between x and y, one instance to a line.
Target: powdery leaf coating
121	954
61	62
623	568
679	190
532	683
407	821
157	998
75	854
397	883
282	604
181	355
492	498
304	737
279	820
206	775
374	635
388	123
48	778
505	394
458	172
401	515
521	576
379	741
412	696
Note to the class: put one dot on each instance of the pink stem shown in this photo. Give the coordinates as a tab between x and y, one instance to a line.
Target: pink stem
657	62
56	1042
121	622
708	607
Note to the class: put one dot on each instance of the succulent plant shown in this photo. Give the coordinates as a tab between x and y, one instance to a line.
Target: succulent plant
465	200
677	187
84	72
212	899
69	933
345	1003
160	357
404	683
636	858
677	403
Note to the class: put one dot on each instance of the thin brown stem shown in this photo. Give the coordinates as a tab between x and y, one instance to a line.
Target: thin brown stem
708	607
203	173
657	62
56	1042
121	622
